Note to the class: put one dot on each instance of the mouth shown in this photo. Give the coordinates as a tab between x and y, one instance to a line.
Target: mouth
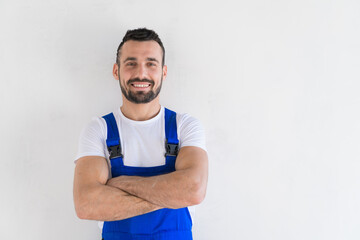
140	86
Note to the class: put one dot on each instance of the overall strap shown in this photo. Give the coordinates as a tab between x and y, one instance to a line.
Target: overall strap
172	142
113	137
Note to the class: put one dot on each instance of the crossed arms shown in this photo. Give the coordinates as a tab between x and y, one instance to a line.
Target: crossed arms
98	198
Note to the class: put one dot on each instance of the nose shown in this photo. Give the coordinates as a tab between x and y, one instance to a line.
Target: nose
141	72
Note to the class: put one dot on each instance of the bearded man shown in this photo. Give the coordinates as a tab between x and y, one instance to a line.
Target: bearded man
140	168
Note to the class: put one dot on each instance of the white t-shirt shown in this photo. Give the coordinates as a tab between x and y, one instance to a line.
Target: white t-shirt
142	142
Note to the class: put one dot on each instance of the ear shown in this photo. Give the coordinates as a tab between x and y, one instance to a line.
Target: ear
164	72
116	71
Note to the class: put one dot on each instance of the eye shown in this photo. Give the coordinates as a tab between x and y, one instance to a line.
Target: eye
131	64
151	64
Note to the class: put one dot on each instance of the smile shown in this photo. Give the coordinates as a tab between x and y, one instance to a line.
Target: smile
141	85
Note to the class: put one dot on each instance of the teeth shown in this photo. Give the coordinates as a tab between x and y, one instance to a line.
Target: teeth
141	85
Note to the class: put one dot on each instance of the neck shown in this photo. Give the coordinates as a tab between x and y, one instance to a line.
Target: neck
140	112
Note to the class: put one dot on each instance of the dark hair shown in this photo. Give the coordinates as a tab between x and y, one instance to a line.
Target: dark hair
140	34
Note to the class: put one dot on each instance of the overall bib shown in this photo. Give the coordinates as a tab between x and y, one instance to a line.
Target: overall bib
163	224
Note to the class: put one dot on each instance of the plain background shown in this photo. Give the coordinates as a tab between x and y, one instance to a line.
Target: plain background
275	84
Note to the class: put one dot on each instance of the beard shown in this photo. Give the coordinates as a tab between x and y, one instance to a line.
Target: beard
139	97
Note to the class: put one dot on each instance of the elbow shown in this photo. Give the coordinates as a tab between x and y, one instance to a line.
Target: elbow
85	213
198	198
87	209
81	214
87	206
80	210
198	194
82	207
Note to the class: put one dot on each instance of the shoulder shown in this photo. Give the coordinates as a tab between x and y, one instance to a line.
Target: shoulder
96	124
92	138
101	124
185	120
190	131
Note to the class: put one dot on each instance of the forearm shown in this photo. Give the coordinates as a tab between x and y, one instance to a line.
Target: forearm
184	187
174	190
106	203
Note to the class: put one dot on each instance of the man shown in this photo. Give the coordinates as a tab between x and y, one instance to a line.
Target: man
139	168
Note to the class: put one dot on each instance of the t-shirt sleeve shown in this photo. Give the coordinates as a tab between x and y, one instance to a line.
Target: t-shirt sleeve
190	132
92	139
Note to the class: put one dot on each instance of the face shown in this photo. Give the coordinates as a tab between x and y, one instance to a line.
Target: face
141	72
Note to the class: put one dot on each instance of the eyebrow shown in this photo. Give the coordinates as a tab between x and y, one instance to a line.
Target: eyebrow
129	59
134	59
152	59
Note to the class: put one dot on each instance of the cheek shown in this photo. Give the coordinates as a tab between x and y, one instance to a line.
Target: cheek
124	72
124	77
157	75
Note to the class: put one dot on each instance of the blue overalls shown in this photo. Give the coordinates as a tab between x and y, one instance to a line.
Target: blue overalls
163	224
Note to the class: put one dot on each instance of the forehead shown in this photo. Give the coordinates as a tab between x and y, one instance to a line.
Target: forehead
140	50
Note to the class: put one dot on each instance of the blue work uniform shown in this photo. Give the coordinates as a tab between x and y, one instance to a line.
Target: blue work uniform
163	224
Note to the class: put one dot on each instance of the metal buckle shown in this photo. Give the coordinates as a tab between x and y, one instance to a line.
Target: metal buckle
171	149
115	151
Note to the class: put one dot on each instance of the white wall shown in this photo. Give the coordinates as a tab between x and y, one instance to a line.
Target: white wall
275	83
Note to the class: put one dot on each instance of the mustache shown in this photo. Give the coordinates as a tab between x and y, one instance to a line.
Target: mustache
140	80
